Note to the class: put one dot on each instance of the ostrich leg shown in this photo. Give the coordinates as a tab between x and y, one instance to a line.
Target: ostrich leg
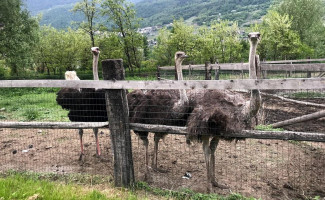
144	137
81	132
213	147
155	155
97	141
207	154
157	138
146	144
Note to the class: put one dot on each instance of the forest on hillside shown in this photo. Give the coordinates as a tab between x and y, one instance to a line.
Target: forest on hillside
161	12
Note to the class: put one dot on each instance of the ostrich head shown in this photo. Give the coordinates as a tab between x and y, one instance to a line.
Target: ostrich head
71	75
95	50
254	37
179	57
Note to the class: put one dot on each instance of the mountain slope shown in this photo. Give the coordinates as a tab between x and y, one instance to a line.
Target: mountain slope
57	12
160	12
36	6
200	11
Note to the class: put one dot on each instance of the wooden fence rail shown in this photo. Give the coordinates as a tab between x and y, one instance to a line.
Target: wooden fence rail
249	84
254	134
269	66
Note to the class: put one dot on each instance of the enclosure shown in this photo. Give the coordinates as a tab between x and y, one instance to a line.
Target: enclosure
268	164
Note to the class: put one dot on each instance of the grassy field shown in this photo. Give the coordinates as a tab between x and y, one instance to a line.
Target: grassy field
30	104
32	186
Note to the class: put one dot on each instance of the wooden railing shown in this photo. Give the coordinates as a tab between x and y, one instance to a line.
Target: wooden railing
305	65
261	84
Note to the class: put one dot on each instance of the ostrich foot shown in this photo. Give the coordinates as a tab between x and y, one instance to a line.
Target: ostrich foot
219	185
156	169
81	157
96	155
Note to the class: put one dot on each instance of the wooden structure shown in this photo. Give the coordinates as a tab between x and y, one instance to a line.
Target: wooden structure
288	66
117	108
118	117
249	84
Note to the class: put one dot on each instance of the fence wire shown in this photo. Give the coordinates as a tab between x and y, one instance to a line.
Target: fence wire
267	169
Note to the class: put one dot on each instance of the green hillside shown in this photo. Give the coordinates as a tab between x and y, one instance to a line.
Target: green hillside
60	17
36	6
159	12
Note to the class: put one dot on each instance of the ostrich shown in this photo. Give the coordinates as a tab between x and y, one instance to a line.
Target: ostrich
216	113
84	105
167	107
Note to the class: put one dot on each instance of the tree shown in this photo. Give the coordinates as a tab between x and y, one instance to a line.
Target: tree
220	42
278	40
305	15
163	52
181	37
90	10
18	37
307	20
59	50
125	23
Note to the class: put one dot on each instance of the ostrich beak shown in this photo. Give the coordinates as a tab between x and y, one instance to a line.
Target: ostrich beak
95	50
254	35
184	56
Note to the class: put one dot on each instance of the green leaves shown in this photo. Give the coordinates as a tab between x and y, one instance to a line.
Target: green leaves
59	50
91	11
125	24
18	37
279	41
220	42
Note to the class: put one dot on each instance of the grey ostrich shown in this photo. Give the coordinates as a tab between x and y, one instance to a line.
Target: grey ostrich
165	107
84	105
217	113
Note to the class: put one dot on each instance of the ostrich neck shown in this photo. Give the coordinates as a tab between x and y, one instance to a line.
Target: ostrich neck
182	93
255	99
252	54
95	67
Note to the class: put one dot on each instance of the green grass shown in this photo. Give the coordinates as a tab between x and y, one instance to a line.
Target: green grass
31	104
23	185
307	95
262	127
185	194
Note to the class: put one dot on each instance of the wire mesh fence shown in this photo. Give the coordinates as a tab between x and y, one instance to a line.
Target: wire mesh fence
237	74
267	169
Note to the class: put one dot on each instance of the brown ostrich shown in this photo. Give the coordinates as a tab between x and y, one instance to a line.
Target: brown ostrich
219	112
165	107
84	105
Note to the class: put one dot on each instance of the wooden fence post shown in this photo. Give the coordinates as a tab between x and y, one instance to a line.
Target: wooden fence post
158	73
258	67
190	72
208	70
118	118
308	72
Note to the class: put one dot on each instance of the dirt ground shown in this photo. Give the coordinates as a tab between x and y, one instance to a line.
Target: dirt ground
267	169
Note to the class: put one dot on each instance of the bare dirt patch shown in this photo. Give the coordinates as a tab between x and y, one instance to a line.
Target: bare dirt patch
269	169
